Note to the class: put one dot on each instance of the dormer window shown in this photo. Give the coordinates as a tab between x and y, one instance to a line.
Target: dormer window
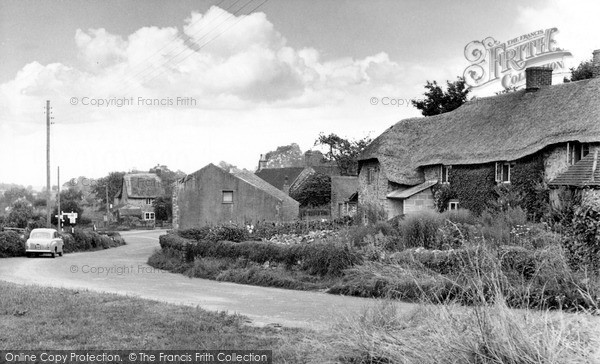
444	173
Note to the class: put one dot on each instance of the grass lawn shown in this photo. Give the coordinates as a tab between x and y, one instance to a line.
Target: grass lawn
34	317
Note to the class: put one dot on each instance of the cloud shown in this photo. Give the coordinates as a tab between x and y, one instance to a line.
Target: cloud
576	22
227	61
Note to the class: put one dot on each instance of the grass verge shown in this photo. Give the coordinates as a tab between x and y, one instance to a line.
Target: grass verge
36	318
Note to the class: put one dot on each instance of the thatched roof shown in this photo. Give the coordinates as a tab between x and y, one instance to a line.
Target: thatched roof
585	173
141	185
503	127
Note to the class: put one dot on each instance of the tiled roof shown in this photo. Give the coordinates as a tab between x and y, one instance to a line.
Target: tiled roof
411	191
585	173
276	176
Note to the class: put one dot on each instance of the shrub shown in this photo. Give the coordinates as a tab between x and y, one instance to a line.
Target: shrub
421	229
460	216
583	238
11	245
318	258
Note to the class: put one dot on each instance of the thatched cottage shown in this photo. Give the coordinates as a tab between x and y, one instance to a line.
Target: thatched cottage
213	195
524	139
137	195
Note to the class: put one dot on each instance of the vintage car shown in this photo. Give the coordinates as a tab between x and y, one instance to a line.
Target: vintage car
44	241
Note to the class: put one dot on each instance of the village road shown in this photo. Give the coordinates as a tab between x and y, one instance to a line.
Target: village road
123	270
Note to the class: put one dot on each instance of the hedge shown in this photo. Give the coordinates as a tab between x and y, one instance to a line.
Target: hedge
82	240
323	259
11	245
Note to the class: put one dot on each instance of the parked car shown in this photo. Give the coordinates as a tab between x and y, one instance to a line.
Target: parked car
44	241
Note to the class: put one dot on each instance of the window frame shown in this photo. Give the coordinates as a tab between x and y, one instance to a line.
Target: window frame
225	193
455	203
500	168
149	200
576	151
149	216
445	174
370	172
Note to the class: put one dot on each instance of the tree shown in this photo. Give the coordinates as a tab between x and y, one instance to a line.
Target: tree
167	177
316	191
582	72
344	152
114	180
15	193
438	101
21	211
163	208
70	201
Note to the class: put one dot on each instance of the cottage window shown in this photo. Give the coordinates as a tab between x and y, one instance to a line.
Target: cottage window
503	171
227	196
148	215
576	151
453	205
148	201
444	173
370	175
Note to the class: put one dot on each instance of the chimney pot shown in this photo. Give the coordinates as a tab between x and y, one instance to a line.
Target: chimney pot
596	63
536	77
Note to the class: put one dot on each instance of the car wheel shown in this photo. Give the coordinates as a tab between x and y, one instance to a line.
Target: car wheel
53	254
60	253
28	255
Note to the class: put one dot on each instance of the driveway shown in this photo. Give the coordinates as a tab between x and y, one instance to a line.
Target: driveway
124	270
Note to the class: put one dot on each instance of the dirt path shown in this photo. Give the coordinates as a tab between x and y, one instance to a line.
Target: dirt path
124	270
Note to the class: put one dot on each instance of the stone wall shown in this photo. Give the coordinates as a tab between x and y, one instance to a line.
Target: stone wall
419	202
374	194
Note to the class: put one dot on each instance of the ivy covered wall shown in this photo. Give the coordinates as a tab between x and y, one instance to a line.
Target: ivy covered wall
472	185
475	188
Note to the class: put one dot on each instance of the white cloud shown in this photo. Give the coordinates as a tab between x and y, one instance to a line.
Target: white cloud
577	23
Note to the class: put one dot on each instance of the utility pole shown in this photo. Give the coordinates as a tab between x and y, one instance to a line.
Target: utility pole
48	187
58	212
107	212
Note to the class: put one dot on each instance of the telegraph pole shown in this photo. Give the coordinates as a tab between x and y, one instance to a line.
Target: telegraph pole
48	187
58	199
107	212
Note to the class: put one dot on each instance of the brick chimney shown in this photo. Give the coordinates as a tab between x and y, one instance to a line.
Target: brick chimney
596	64
536	77
262	162
286	185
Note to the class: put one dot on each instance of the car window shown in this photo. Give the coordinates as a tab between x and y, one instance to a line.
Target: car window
40	235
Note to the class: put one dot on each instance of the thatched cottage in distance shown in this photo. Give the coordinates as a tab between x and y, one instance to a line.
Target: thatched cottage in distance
137	195
213	195
524	139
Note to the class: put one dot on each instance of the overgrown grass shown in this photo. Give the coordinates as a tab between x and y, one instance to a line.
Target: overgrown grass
238	270
491	334
35	318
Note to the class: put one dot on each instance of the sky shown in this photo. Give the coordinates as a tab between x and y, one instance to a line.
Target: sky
133	84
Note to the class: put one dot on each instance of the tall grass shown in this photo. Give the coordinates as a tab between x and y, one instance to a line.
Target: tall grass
487	331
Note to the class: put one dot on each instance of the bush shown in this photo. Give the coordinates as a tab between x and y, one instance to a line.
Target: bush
317	258
83	240
11	245
583	237
421	229
460	216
